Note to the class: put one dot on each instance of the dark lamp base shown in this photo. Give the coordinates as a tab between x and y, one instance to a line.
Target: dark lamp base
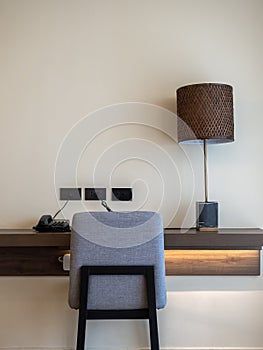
207	216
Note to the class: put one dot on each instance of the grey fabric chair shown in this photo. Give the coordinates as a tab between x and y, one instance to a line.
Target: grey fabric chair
117	268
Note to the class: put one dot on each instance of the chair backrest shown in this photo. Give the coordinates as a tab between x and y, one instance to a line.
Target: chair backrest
117	238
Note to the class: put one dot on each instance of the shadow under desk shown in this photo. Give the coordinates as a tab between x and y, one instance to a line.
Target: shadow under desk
24	252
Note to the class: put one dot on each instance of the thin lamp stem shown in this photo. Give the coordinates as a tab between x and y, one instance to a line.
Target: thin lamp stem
205	171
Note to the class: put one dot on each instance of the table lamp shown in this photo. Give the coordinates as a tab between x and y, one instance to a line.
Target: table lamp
205	115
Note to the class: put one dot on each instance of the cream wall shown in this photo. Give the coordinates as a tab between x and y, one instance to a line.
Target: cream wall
61	61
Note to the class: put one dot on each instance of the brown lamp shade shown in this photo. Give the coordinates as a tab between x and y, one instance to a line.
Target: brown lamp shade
205	112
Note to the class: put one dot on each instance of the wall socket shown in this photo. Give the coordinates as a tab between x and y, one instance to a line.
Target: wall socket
70	194
121	194
95	194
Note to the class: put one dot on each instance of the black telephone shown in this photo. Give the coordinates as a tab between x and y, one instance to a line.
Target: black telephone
48	224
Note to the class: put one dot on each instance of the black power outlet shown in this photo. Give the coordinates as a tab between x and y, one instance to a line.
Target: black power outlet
121	194
95	194
70	194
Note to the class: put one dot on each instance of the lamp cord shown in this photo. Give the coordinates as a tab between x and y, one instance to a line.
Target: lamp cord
205	171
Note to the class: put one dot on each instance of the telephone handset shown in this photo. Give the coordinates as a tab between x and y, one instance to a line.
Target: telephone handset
48	224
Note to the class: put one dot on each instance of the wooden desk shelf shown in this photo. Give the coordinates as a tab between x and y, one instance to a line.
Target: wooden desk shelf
226	252
212	262
187	252
28	253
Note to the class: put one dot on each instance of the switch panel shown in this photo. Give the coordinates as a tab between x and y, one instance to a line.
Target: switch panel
121	194
95	194
70	194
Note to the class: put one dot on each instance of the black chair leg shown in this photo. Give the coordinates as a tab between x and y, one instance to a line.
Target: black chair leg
81	331
84	280
154	331
152	309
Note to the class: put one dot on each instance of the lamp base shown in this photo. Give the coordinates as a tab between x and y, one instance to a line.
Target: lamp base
207	216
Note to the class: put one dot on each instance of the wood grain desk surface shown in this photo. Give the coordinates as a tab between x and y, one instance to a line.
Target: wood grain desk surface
243	238
24	252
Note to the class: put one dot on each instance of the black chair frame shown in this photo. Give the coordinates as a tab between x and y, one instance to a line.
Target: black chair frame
147	313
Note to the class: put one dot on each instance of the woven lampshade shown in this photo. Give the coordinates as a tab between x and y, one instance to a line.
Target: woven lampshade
205	112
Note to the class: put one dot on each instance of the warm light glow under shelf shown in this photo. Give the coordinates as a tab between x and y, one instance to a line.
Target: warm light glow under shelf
212	262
